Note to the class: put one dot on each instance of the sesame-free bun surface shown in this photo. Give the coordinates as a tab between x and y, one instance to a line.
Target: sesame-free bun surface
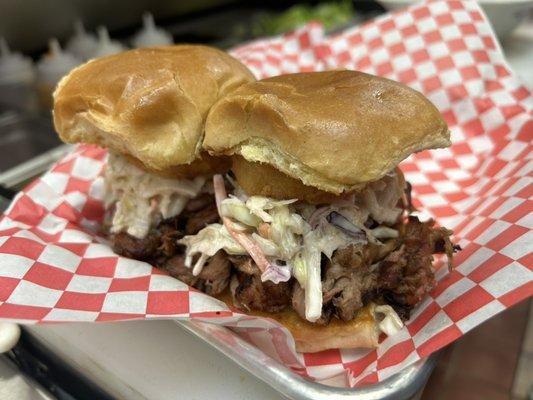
334	130
148	103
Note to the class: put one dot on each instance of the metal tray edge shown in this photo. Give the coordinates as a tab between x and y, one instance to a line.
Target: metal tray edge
401	386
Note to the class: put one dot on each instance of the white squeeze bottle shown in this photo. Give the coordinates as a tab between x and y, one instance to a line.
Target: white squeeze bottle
50	69
17	76
150	35
106	46
81	44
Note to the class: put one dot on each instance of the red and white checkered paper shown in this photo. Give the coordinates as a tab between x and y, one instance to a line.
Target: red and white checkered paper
55	267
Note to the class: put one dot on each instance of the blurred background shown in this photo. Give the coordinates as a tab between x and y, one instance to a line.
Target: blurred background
42	41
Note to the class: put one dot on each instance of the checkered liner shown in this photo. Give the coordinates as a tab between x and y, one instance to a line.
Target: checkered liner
55	267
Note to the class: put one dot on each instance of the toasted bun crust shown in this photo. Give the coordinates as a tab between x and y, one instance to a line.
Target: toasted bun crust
360	332
334	130
148	103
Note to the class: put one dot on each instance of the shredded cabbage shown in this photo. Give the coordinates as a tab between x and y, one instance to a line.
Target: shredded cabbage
381	197
328	239
276	272
259	205
299	269
236	209
384	232
291	240
268	246
242	237
208	241
313	281
142	199
388	321
283	233
199	265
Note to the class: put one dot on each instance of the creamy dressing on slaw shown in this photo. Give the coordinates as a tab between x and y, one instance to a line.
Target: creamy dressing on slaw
142	199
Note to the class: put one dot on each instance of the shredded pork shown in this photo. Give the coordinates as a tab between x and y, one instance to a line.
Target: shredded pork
213	279
384	259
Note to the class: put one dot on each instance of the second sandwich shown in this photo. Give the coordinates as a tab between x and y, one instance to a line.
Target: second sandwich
318	223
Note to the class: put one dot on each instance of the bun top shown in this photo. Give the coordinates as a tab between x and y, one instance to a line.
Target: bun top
334	130
148	103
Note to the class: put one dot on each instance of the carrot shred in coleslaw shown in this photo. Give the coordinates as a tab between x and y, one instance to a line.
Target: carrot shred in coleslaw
240	237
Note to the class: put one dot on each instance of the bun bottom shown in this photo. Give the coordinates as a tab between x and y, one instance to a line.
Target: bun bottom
264	180
360	332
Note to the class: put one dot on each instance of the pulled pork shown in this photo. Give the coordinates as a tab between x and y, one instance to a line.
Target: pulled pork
397	272
139	249
253	294
160	247
405	275
213	279
199	213
347	278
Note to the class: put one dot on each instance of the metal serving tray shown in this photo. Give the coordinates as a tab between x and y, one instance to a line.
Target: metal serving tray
407	384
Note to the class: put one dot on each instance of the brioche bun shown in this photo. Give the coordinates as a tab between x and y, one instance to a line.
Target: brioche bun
203	165
360	332
334	130
259	179
150	103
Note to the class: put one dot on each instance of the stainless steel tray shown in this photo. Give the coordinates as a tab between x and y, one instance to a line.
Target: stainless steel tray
405	385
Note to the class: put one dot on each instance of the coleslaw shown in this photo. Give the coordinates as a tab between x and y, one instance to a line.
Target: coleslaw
142	199
287	238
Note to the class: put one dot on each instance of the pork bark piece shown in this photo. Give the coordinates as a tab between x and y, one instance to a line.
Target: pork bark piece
200	219
406	275
139	249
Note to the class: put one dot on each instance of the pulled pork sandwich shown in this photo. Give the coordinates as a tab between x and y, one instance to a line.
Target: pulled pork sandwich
317	224
148	107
